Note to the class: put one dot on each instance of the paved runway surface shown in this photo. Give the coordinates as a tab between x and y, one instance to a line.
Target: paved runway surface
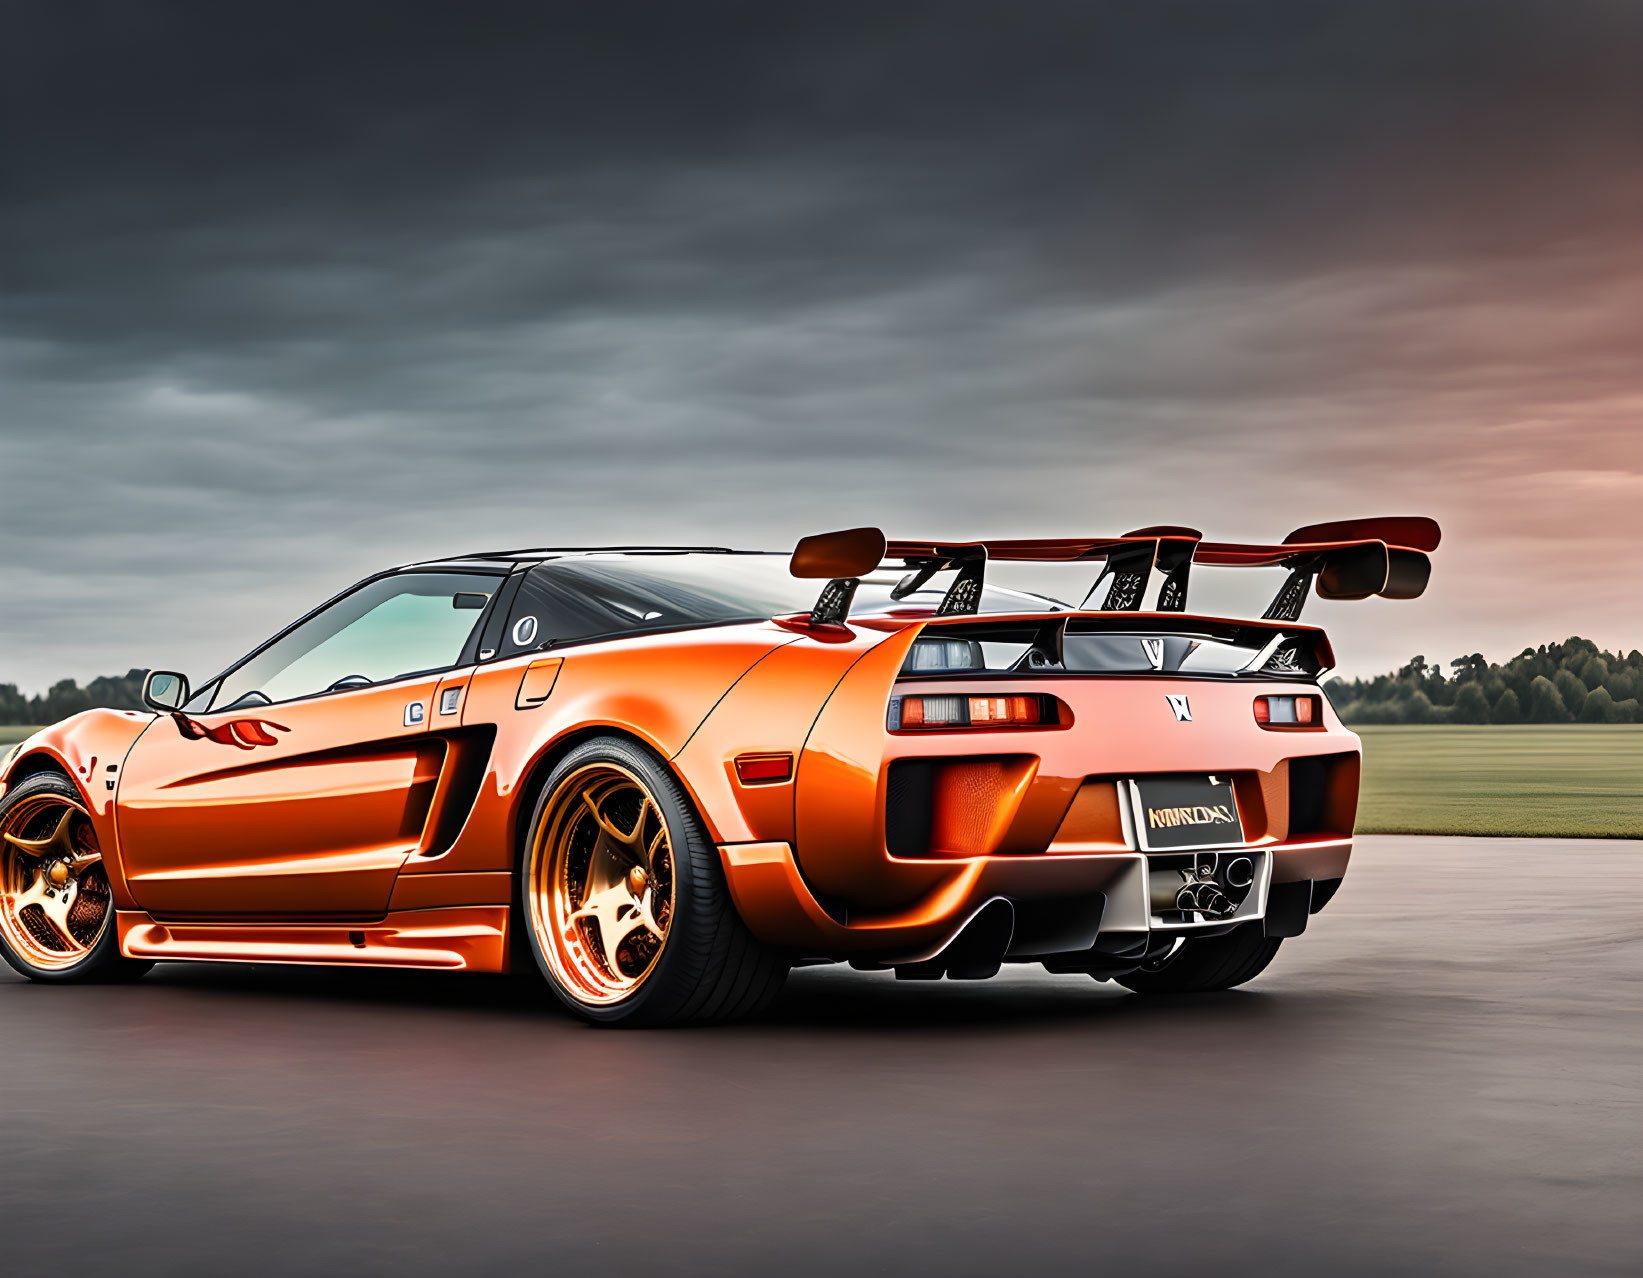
1443	1074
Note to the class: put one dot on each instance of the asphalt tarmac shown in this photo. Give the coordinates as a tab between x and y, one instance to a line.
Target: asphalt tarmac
1442	1075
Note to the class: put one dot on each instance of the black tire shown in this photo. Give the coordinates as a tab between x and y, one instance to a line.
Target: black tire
710	967
103	961
1201	964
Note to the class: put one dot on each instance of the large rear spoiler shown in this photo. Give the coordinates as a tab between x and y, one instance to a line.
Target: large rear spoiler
1347	559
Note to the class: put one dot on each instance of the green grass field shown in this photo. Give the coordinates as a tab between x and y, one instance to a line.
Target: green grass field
11	733
1575	780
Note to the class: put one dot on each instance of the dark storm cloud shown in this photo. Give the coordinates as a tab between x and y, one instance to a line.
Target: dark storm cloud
288	292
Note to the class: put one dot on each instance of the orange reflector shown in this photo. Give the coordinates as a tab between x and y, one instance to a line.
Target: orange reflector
763	769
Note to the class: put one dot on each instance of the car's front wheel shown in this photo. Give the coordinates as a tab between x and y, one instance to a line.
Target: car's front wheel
624	900
56	915
1200	964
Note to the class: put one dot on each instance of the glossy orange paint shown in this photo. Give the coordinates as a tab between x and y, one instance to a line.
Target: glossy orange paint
838	853
382	825
770	710
90	748
317	822
470	937
656	689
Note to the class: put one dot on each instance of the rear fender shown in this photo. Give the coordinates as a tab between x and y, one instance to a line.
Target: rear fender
771	710
655	691
839	801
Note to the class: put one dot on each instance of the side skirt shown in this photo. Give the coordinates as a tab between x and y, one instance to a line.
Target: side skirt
470	938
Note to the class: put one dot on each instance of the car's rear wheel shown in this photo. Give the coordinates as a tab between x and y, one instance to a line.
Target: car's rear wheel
1201	964
56	914
625	903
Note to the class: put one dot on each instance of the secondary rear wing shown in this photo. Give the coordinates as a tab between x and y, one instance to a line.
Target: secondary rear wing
1347	559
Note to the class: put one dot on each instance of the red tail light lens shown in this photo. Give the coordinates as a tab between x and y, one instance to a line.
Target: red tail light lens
1289	712
961	710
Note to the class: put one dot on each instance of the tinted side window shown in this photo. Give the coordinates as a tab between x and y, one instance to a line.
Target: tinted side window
568	599
394	626
546	608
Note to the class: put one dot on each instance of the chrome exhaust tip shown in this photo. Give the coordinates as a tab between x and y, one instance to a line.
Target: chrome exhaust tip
1239	872
1204	898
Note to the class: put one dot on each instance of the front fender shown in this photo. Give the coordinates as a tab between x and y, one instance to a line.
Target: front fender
90	749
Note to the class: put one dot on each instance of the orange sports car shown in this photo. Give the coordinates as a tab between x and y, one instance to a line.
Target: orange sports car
663	776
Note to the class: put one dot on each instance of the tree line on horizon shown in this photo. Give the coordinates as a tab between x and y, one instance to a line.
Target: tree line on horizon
66	697
1569	682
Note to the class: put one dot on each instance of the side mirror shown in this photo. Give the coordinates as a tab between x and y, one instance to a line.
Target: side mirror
165	691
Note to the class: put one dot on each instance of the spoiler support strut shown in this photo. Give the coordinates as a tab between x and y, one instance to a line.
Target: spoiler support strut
1286	605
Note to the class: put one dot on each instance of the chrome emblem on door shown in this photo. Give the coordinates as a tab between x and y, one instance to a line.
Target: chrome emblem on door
1178	703
1154	648
413	714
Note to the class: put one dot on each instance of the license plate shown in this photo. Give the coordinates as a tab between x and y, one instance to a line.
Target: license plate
1178	814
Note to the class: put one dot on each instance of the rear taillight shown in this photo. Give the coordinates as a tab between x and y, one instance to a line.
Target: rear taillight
960	710
943	656
1014	712
1289	712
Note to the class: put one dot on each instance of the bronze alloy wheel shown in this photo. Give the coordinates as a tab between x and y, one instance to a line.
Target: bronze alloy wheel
600	885
54	898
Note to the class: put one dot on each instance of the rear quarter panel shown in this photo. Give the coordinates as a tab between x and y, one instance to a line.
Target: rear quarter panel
656	689
771	710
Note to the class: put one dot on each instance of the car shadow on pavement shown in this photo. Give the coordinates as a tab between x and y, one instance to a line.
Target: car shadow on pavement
833	998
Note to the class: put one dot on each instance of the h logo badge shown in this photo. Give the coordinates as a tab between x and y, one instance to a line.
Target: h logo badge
1178	703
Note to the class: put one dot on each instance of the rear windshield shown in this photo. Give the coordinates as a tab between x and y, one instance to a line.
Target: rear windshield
565	600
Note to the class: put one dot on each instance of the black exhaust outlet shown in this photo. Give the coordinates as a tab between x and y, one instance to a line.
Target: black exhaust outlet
975	953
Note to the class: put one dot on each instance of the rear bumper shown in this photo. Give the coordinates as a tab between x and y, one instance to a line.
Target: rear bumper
1074	896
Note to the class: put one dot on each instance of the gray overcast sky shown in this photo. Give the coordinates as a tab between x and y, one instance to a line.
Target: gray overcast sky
289	293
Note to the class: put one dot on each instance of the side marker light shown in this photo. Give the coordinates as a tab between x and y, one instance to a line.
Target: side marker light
764	769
